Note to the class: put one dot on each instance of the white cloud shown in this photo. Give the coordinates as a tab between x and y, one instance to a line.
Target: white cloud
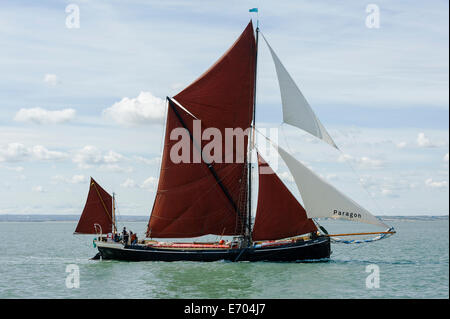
430	183
84	158
75	179
41	153
362	162
15	152
387	186
145	108
150	183
39	115
423	141
78	179
38	189
58	178
369	163
51	79
87	156
129	183
112	157
413	185
344	158
148	161
116	168
91	155
401	144
368	181
445	158
331	177
388	192
13	168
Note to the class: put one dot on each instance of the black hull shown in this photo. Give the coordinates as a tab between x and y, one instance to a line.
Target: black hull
311	250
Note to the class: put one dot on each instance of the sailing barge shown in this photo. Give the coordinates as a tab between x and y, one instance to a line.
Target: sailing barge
214	197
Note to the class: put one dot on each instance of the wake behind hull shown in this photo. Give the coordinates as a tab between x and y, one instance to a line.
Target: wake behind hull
318	249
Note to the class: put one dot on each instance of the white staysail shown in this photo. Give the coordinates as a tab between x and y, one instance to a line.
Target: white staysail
322	199
296	110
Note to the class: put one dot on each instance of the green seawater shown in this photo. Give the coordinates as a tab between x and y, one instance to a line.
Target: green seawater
412	264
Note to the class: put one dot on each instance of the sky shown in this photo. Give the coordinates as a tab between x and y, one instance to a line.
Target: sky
87	99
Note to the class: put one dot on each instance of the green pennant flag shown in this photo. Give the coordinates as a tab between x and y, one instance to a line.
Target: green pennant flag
253	10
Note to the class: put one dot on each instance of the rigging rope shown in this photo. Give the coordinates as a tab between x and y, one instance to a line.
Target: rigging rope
360	180
103	203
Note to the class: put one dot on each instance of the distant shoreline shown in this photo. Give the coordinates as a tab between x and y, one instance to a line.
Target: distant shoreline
134	218
62	218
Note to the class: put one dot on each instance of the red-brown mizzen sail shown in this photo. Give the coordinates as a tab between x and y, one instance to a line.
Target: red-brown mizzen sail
193	199
279	214
97	210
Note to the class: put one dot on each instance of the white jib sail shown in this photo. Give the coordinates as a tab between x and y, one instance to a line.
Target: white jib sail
322	199
296	110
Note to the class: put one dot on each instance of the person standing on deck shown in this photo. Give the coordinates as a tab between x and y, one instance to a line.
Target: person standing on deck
125	236
133	238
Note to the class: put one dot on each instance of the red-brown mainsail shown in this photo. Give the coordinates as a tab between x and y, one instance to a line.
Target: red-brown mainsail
279	214
193	199
97	210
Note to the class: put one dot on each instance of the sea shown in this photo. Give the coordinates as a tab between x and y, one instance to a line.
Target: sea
43	259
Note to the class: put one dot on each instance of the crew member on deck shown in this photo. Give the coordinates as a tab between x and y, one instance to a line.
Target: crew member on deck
133	238
125	236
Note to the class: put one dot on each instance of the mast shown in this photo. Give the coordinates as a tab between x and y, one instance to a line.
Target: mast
114	213
248	234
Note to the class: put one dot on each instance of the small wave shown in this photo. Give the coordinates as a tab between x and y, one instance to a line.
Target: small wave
381	262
